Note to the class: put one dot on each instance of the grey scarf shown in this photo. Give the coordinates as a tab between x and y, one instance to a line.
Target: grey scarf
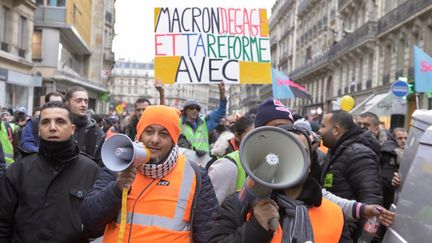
296	223
160	170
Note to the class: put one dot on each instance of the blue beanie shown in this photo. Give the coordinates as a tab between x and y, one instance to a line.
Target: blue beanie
271	109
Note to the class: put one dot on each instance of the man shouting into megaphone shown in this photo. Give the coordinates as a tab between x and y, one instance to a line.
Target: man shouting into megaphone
169	197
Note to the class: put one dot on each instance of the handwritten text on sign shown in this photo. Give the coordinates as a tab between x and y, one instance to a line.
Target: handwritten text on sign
206	45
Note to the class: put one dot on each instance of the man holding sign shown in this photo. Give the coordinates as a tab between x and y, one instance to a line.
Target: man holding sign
197	129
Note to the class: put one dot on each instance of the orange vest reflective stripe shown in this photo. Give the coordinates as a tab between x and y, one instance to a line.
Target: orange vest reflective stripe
162	212
327	223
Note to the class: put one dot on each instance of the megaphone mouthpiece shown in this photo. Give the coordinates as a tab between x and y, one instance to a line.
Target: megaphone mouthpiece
272	159
268	168
124	153
119	152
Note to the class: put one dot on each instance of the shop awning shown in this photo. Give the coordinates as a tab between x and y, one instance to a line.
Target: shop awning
380	104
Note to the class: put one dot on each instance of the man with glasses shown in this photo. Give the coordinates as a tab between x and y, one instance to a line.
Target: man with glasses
196	129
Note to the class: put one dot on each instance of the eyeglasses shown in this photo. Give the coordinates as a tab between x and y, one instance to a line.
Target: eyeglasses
401	138
194	108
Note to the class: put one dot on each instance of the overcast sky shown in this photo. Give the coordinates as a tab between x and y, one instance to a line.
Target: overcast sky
134	23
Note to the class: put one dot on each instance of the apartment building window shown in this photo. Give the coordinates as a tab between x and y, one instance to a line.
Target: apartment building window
107	39
22	32
4	16
308	53
37	45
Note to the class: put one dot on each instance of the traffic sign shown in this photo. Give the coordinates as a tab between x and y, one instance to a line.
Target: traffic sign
399	88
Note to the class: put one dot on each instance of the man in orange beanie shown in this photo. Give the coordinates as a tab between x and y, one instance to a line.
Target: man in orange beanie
170	199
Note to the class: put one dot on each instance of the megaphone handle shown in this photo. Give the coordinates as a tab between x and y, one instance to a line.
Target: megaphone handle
123	215
274	224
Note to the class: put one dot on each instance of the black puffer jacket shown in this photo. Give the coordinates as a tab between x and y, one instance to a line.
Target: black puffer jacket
351	169
102	204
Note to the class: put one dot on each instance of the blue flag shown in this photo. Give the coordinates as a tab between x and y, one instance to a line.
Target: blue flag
281	90
422	70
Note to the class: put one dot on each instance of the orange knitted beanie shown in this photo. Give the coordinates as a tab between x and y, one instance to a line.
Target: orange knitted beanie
165	116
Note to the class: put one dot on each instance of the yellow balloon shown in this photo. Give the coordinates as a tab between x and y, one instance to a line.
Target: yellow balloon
347	103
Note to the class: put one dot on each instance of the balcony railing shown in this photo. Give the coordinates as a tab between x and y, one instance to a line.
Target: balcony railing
401	13
364	33
315	63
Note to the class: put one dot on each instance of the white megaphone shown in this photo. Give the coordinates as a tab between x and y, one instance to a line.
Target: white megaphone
119	152
273	158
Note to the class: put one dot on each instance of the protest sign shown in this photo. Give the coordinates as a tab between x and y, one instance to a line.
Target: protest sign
211	45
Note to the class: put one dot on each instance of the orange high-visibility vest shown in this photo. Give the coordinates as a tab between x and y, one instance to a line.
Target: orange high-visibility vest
109	133
327	223
162	212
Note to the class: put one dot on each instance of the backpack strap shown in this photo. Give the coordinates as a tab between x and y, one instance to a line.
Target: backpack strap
196	169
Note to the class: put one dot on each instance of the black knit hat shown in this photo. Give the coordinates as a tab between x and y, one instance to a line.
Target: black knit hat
271	109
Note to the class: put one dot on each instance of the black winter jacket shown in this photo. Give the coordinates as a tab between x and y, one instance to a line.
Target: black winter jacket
389	166
102	204
89	139
39	204
131	130
232	227
352	168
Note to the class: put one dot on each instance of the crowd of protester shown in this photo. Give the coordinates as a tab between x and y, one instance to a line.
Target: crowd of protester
54	186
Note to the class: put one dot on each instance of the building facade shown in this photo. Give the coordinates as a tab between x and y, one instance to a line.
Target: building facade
70	47
349	47
131	80
17	79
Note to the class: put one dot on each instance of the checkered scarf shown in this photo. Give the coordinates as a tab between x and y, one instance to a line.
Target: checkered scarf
158	171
